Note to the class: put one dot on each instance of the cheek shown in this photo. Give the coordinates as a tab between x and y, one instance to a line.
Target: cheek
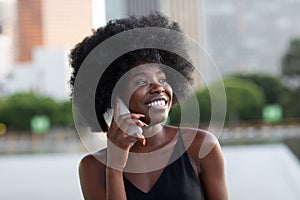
136	94
134	98
129	94
169	90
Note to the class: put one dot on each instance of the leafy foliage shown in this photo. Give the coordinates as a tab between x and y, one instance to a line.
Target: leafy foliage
17	110
290	98
290	66
245	101
291	60
271	86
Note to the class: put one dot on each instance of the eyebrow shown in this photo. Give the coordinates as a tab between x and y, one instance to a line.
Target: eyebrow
143	73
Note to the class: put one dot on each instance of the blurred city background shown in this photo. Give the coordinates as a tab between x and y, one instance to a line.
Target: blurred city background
255	45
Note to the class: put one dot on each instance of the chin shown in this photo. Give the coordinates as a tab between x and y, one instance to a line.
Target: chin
157	119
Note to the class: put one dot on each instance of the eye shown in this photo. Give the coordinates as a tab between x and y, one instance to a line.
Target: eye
162	80
141	82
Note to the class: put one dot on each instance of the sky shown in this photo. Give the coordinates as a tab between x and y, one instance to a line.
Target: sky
98	12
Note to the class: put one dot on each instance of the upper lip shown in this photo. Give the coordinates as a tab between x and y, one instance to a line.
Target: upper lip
157	98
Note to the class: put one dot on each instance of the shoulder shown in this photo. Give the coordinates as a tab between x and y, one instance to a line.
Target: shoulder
199	140
92	175
93	165
199	143
94	160
207	159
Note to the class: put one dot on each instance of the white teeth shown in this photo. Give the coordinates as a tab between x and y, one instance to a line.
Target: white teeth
157	103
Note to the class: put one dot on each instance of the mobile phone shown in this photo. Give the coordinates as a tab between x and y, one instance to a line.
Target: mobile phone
135	131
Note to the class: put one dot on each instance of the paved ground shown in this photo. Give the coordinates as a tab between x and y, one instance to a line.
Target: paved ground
260	172
39	177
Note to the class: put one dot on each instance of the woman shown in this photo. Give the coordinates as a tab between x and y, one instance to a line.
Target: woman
164	162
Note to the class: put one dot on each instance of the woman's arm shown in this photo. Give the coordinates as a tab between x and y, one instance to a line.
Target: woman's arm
92	178
114	184
207	160
101	181
213	174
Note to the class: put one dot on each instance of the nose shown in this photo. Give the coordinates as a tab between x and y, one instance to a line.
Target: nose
156	88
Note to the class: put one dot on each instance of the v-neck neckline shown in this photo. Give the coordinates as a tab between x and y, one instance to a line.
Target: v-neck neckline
153	186
170	160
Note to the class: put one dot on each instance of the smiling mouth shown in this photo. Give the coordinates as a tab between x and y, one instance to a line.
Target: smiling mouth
157	103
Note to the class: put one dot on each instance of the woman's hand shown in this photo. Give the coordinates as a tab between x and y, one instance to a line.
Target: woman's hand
119	143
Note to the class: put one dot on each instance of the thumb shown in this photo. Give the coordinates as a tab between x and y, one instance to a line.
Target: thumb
142	140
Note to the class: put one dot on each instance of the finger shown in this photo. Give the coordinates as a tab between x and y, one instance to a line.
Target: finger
113	129
136	115
130	139
142	141
117	108
127	123
120	128
132	119
124	141
131	116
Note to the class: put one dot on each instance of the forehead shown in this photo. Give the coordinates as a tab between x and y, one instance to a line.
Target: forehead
149	68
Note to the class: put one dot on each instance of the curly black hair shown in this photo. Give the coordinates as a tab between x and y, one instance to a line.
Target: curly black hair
126	62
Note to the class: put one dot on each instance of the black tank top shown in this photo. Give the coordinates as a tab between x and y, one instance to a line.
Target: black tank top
177	181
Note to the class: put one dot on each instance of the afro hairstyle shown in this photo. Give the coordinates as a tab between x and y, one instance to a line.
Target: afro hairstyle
107	82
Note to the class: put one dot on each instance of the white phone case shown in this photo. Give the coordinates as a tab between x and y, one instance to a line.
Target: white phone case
135	131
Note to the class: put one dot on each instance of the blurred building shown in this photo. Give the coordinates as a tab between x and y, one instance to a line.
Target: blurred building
250	36
241	36
5	53
188	13
137	7
42	32
6	31
50	23
47	74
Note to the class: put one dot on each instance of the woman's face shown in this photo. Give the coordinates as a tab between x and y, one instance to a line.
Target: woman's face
149	93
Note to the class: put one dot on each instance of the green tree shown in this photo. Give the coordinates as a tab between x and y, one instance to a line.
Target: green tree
270	85
290	66
64	115
17	110
245	101
290	102
174	115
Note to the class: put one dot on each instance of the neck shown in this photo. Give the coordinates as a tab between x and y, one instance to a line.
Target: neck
155	138
153	130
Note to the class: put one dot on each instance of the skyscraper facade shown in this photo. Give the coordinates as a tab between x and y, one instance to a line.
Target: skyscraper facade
188	13
50	23
247	36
